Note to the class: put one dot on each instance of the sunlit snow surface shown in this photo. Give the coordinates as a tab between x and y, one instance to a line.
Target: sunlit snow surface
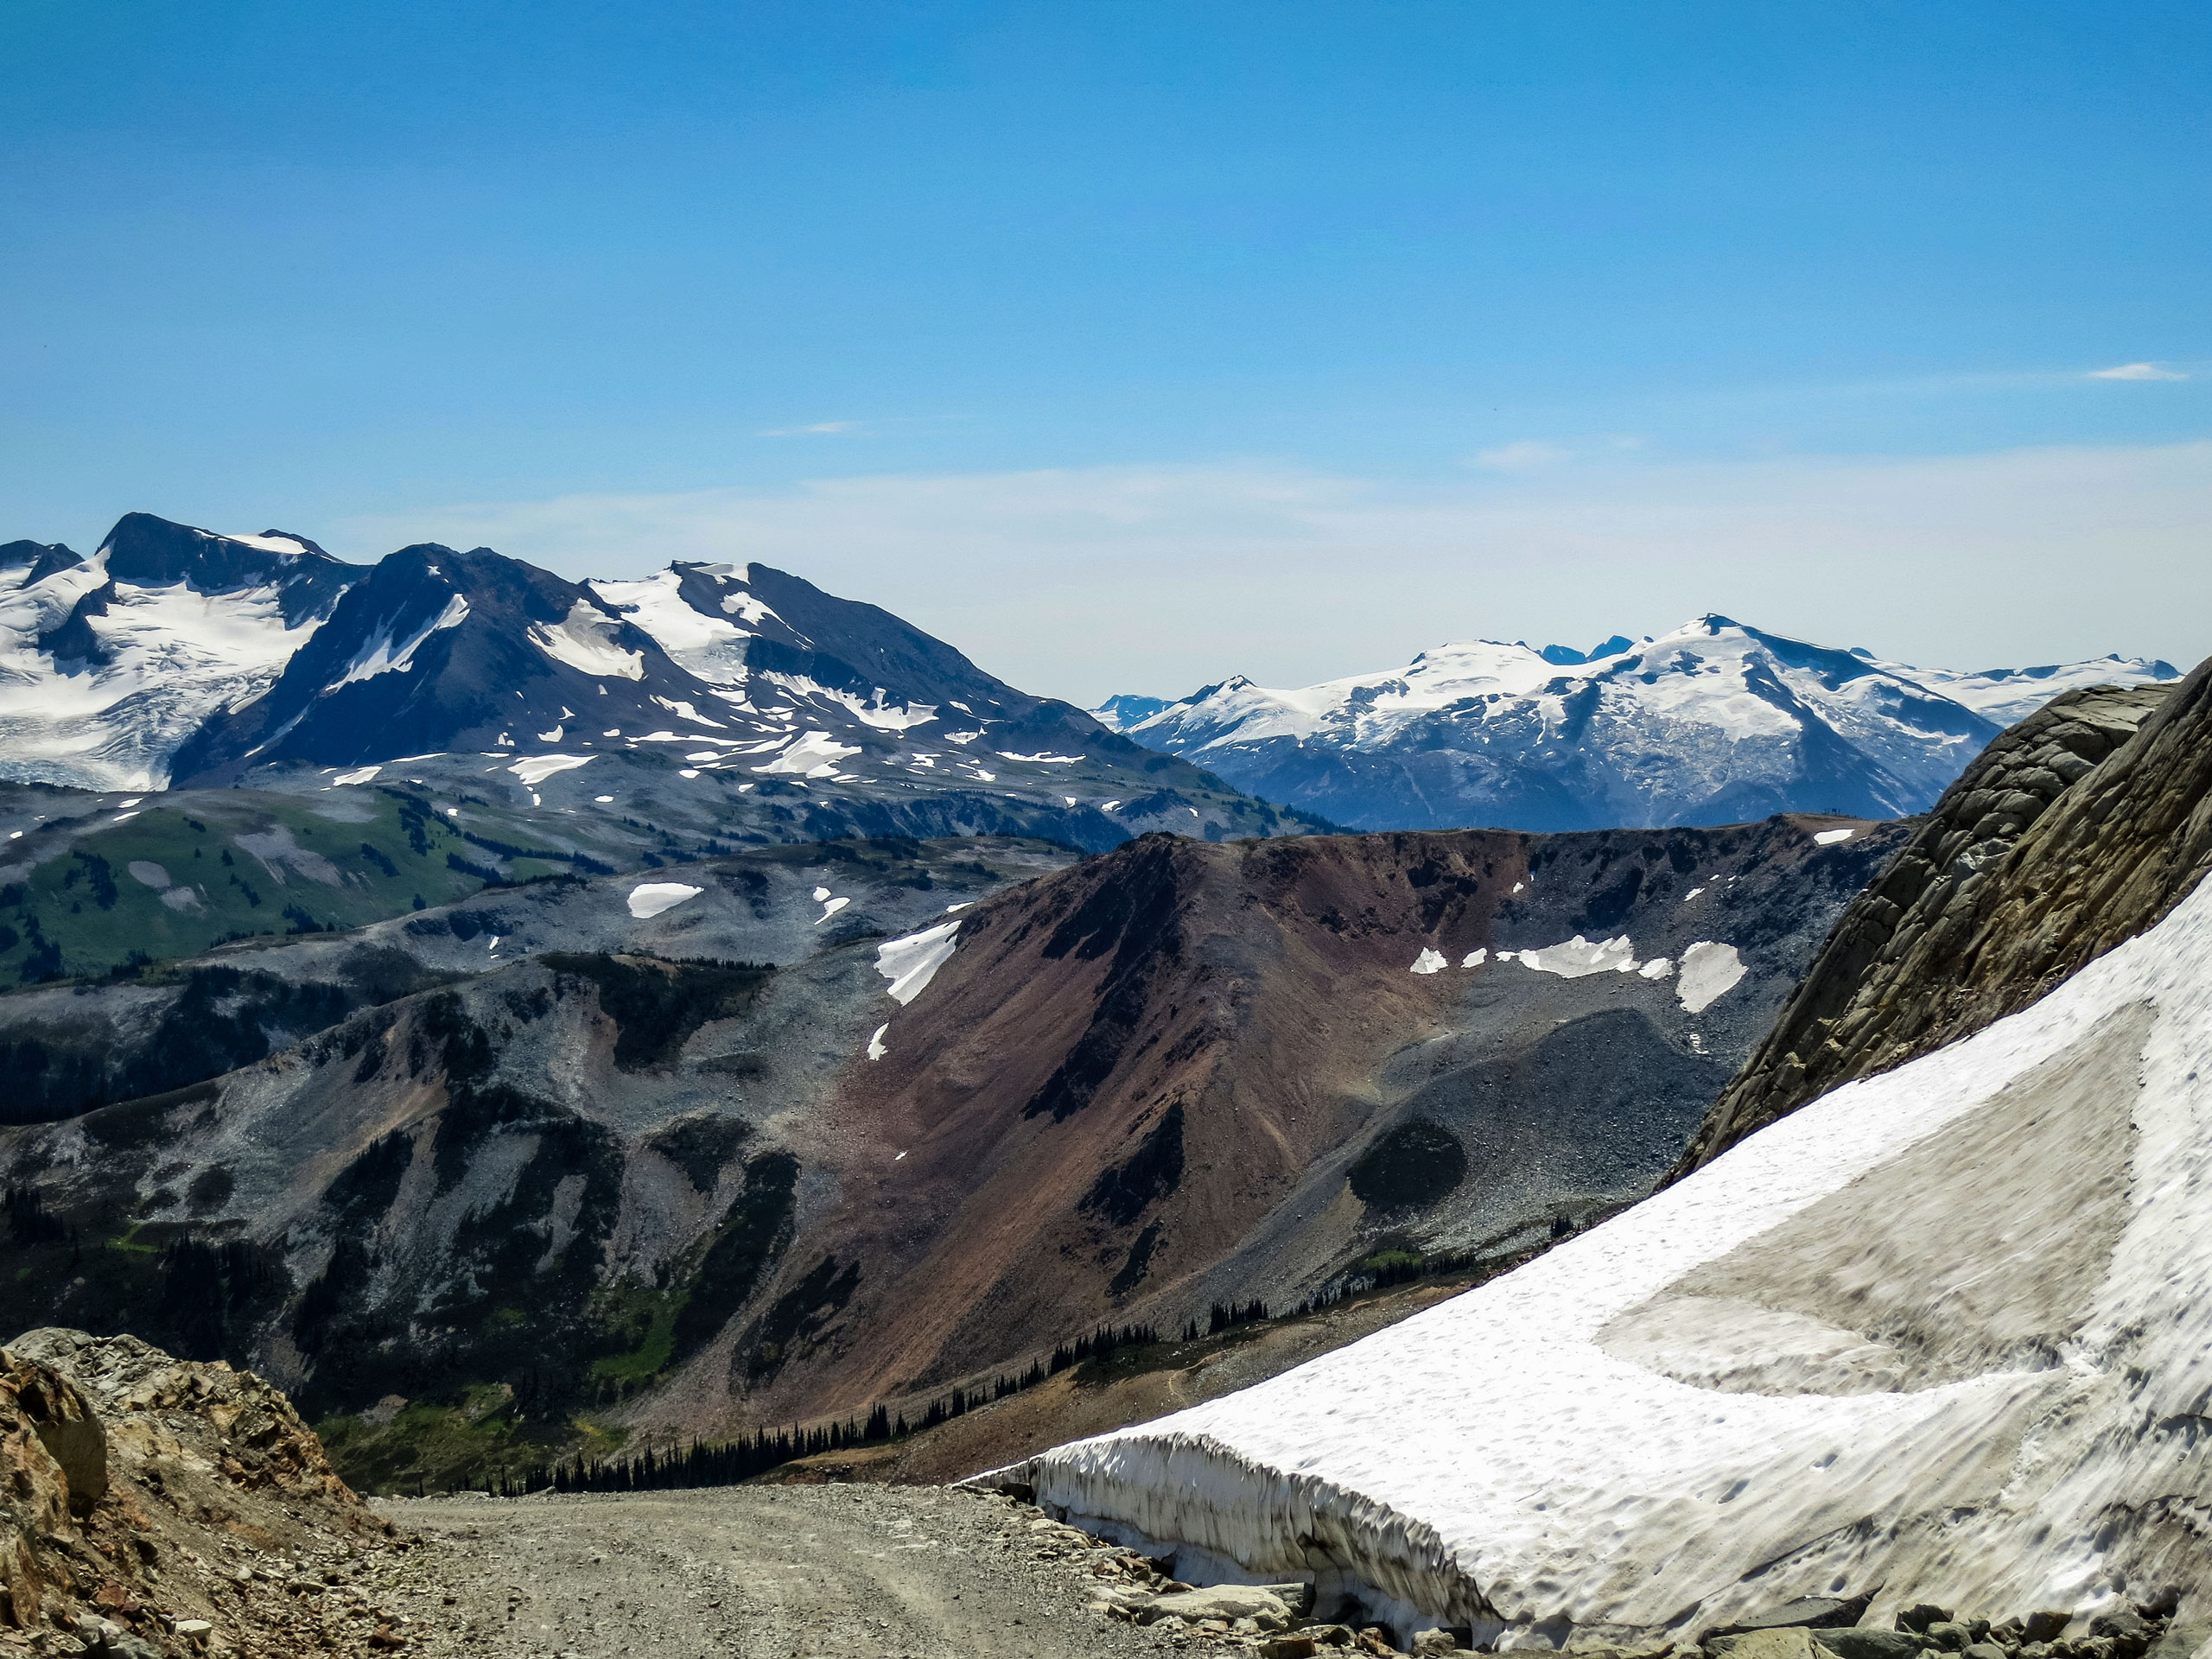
384	653
1940	1334
911	963
178	655
584	640
817	754
535	769
2007	694
650	897
1710	972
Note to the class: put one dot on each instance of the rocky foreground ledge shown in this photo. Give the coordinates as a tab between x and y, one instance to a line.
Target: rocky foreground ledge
152	1508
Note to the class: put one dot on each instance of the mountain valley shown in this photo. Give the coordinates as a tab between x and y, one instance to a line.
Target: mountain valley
851	1123
816	1032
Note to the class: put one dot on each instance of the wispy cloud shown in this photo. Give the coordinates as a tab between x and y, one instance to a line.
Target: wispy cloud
818	429
2138	371
1076	583
1521	457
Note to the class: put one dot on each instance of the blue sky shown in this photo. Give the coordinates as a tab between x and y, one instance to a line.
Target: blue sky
1048	325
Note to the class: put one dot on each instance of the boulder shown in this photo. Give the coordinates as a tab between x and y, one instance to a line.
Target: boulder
2045	1626
1793	1641
1921	1615
63	1420
1861	1642
1297	1596
1223	1601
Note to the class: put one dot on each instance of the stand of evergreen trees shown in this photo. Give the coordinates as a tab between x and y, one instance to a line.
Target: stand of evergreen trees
727	1462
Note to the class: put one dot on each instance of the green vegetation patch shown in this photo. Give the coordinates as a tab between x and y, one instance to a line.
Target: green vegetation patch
645	1330
176	881
478	1434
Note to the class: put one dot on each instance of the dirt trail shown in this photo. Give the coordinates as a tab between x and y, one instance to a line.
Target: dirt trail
790	1571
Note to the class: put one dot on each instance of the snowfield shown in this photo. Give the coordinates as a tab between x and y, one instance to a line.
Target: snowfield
175	655
1939	1335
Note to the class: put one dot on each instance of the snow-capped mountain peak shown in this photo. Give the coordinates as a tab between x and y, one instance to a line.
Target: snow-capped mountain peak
107	663
1714	721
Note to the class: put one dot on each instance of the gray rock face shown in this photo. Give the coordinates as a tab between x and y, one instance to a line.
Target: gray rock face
1871	1002
1868	1644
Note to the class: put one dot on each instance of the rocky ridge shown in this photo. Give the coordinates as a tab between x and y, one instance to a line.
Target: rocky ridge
2079	828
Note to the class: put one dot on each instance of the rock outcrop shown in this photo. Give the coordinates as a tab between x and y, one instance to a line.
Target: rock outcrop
149	1506
2080	827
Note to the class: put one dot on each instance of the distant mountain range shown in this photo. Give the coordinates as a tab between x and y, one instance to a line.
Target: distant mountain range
742	698
1716	722
177	658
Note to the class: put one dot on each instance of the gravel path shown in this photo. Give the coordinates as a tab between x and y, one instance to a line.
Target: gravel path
790	1571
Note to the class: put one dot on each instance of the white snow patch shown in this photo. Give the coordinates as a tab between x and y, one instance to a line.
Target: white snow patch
748	608
875	1048
1578	956
682	709
1042	759
382	655
359	775
820	894
1657	968
830	909
817	754
584	641
1710	972
1474	958
911	963
535	769
1429	962
650	897
1829	837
